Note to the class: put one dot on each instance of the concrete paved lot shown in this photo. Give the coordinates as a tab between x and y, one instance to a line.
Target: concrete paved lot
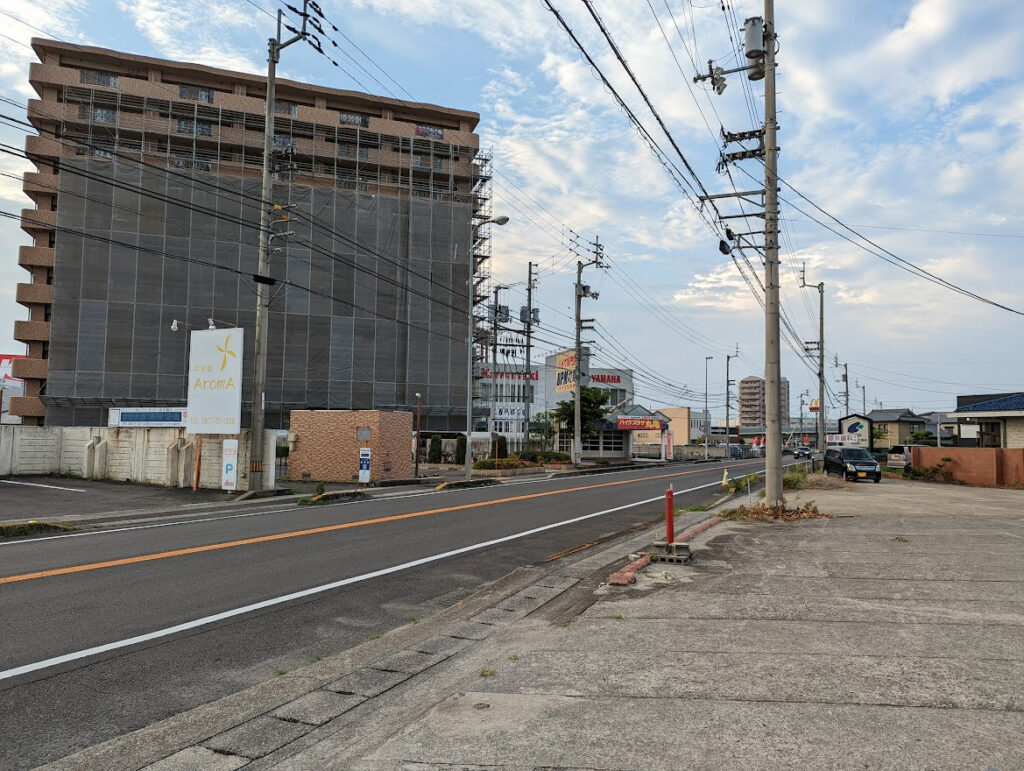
68	500
891	636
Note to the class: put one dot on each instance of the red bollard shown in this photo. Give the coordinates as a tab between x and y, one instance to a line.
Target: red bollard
670	524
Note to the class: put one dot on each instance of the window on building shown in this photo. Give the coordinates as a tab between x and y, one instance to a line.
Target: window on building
353	151
49	271
354	118
612	441
202	128
592	443
195	93
97	114
188	162
284	107
98	78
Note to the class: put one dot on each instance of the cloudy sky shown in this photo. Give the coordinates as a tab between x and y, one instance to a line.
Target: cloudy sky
903	120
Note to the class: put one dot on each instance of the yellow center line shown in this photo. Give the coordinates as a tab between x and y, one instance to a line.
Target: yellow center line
324	529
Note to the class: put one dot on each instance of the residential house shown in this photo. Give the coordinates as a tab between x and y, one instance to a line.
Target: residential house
998	422
895	426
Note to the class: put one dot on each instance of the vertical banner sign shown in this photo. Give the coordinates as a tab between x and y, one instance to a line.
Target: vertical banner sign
364	465
565	371
670	442
215	381
229	465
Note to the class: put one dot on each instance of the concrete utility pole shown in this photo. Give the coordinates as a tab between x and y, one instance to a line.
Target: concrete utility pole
821	356
772	363
262	277
471	335
496	312
528	322
707	415
581	292
802	395
846	385
728	382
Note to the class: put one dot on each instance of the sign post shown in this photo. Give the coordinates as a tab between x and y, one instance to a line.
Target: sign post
215	381
214	388
229	465
364	465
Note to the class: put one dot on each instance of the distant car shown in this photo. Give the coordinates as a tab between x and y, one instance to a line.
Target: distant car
802	452
898	455
853	463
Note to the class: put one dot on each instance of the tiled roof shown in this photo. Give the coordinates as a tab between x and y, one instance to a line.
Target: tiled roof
894	415
1009	403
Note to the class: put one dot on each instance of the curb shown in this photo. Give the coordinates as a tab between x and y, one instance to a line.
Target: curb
627	575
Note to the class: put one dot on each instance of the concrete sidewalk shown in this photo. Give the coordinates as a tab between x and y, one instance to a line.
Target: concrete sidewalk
891	636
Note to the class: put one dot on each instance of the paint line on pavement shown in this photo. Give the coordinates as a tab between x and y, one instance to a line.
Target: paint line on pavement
319	530
262	512
48	487
206	620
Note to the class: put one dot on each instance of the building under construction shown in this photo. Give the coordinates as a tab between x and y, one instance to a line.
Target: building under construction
752	401
147	195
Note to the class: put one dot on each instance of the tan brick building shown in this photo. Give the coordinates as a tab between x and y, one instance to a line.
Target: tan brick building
325	444
146	210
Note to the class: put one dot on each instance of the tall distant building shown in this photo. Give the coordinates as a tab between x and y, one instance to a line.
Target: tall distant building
752	401
146	193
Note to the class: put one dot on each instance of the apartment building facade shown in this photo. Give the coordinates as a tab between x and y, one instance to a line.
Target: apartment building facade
752	401
147	202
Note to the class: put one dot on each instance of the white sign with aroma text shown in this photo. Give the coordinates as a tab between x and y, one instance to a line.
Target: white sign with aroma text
215	381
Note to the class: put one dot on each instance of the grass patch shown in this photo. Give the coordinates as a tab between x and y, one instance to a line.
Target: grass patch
762	512
795	478
487	672
23	529
740	484
694	507
823	482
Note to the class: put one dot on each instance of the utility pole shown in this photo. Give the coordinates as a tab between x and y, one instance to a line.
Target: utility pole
262	277
773	365
582	291
528	321
821	355
802	395
846	384
495	314
728	383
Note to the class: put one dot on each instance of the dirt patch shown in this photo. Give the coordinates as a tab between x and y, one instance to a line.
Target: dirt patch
762	512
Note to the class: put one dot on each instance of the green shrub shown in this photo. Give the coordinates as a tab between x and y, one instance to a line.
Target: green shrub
490	464
500	447
460	449
795	478
434	449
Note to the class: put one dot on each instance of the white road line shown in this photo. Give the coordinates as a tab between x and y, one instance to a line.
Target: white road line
48	487
112	646
201	520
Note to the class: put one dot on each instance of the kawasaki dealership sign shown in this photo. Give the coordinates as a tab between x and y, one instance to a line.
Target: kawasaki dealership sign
215	382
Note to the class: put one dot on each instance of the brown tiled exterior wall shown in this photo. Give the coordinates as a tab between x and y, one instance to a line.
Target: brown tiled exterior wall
233	143
324	444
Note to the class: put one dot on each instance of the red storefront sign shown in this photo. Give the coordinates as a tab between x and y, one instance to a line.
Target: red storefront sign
638	424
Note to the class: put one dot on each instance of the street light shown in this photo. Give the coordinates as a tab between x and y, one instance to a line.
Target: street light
416	473
501	220
707	417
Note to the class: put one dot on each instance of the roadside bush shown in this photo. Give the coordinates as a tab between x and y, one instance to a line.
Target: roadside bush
460	449
936	473
544	456
795	478
500	447
501	464
434	449
762	512
740	485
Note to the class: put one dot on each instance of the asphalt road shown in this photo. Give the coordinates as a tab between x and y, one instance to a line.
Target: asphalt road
63	597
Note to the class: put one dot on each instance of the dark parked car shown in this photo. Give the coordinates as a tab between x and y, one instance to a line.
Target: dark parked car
853	463
802	452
